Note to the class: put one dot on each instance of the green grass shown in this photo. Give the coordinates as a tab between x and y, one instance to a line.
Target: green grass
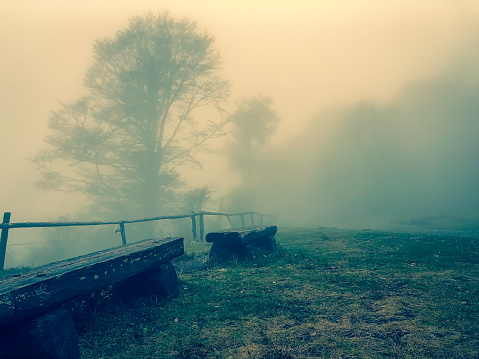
326	294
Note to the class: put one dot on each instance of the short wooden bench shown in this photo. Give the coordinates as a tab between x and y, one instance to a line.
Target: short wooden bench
240	243
35	318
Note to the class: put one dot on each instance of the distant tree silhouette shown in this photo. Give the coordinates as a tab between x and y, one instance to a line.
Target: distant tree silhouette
195	200
252	124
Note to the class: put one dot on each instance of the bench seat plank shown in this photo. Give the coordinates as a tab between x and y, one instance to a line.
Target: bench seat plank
44	288
240	236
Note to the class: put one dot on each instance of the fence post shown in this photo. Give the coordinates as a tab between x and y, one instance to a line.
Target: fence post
242	220
229	220
202	226
261	219
252	218
122	232
3	240
193	226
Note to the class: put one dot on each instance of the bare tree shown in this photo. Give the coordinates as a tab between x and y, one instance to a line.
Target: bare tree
121	145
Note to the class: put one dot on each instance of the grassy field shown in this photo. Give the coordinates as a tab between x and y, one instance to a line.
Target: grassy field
326	294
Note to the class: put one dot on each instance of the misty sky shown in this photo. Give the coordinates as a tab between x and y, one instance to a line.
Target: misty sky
311	57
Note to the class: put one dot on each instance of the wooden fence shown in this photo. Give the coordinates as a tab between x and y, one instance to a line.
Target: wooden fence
197	220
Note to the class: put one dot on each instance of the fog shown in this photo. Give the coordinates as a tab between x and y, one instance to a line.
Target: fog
378	104
412	162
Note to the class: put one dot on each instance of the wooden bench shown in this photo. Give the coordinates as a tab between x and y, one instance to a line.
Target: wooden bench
240	243
35	318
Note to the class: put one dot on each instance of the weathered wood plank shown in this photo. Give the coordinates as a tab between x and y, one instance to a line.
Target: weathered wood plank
44	288
241	236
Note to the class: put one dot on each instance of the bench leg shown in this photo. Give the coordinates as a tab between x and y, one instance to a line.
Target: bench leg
220	252
164	280
263	245
267	244
50	336
161	280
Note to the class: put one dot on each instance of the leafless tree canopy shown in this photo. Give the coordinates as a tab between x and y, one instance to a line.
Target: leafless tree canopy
120	145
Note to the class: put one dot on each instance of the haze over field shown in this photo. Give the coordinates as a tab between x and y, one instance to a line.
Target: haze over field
378	101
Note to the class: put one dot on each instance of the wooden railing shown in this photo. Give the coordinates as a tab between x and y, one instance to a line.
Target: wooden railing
6	224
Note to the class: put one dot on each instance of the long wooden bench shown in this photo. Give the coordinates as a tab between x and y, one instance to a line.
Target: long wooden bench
240	243
35	318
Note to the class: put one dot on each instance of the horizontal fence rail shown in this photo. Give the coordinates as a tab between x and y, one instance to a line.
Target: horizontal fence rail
98	223
6	225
